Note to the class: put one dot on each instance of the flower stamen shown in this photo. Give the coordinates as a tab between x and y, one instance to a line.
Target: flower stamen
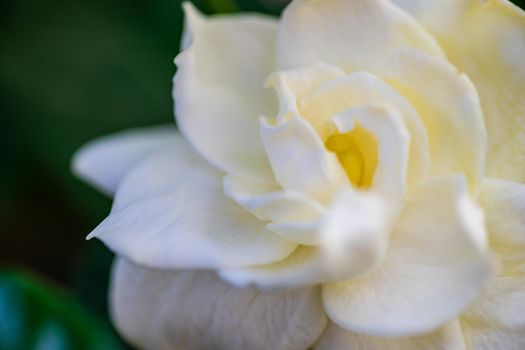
358	154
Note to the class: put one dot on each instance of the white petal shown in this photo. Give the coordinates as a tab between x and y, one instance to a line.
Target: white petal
447	338
193	310
486	39
436	265
218	89
494	60
273	204
497	319
105	161
449	106
171	212
353	35
299	159
439	17
292	85
307	233
356	233
489	45
354	236
305	266
359	89
293	215
393	140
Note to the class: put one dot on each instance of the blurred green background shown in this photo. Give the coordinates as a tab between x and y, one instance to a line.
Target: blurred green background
71	71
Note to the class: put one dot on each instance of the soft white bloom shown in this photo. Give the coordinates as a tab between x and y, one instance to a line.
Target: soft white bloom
350	176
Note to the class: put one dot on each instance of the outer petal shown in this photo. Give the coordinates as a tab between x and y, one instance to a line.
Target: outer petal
354	237
447	338
191	310
104	162
218	89
299	159
359	89
353	35
486	39
497	319
171	212
449	106
436	265
439	17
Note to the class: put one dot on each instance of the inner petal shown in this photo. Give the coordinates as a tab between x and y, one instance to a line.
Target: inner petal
357	152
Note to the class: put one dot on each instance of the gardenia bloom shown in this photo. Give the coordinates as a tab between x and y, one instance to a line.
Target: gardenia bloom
349	176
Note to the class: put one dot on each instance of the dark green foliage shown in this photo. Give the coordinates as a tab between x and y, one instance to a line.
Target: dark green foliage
36	315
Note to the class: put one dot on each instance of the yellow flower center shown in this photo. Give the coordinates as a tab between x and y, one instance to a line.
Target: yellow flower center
357	152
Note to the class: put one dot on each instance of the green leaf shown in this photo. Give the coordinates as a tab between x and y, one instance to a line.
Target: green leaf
38	316
223	6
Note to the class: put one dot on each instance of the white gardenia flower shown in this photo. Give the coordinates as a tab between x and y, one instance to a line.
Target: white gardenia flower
349	176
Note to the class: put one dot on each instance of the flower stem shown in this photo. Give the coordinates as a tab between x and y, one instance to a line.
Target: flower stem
222	6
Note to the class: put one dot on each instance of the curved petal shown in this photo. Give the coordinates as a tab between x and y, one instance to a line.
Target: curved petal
292	85
105	161
272	204
359	89
171	212
304	267
293	215
436	265
218	89
393	140
299	160
449	106
307	233
353	235
486	39
353	35
497	319
438	17
193	310
447	338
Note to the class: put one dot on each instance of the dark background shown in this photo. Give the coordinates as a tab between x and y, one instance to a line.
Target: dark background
71	71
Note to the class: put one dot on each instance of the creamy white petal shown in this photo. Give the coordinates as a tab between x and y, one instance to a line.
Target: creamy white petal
305	266
353	239
359	89
218	89
307	233
299	159
171	212
272	204
486	39
190	310
439	17
292	215
447	338
105	161
393	140
356	233
448	105
292	85
353	35
497	318
436	265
